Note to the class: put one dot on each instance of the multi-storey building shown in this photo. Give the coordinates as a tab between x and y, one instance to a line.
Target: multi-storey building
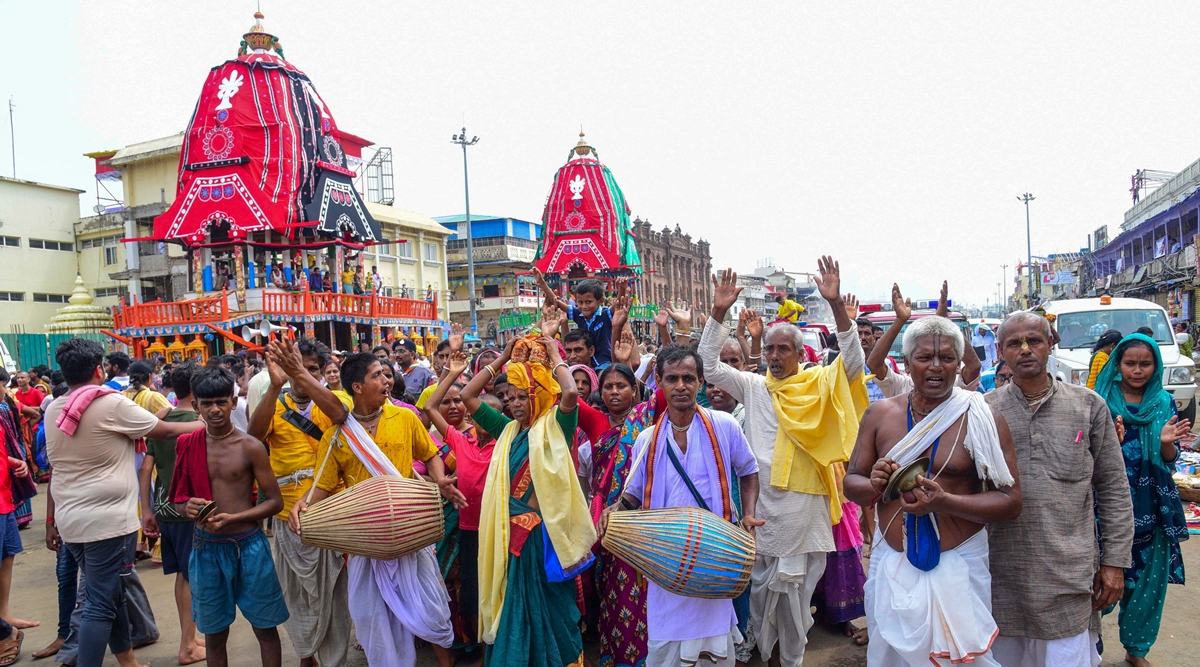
37	252
674	267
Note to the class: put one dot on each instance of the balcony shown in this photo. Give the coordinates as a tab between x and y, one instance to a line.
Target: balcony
307	304
169	313
497	303
492	249
1176	266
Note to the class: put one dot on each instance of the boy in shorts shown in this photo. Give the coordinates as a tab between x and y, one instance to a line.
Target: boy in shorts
159	518
231	562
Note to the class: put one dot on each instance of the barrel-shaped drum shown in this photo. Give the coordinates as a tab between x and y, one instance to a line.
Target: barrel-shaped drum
382	518
686	550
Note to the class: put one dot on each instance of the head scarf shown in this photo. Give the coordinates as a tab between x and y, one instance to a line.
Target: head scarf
587	370
536	379
1157	405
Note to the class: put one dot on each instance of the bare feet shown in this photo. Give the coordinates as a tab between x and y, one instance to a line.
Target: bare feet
859	635
1137	662
50	650
22	625
191	654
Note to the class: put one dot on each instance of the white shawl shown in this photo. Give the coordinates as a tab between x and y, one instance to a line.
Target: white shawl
982	442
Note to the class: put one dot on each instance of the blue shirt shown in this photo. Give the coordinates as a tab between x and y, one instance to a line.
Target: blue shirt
600	327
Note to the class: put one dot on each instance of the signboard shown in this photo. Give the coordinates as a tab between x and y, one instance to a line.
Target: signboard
1058	278
1100	238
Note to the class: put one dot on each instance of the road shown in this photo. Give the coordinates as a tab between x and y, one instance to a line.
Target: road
35	597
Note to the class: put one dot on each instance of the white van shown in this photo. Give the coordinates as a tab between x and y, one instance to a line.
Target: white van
1081	321
9	364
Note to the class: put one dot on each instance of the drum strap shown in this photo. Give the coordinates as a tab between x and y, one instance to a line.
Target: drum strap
686	480
651	456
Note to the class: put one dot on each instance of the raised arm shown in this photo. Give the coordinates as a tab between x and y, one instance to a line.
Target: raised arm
260	421
661	321
550	295
620	317
725	294
287	355
739	334
754	324
902	307
450	375
829	283
470	393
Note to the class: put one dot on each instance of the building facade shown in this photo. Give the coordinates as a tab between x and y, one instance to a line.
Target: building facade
506	297
674	268
37	252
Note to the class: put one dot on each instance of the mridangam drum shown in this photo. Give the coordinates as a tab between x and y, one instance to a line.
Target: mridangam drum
382	518
686	550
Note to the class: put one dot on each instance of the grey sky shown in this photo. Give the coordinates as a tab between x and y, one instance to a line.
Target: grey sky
894	136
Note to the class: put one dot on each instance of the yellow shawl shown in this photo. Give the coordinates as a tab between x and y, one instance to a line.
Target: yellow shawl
818	411
565	512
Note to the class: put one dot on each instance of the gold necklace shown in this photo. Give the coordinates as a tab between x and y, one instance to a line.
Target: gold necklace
226	434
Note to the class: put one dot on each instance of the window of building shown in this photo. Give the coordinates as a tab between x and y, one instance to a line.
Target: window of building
51	298
491	290
110	256
404	250
384	248
42	244
111	291
12	296
430	252
10	241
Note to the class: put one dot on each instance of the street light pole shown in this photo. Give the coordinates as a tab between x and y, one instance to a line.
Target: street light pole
1028	247
461	140
1004	293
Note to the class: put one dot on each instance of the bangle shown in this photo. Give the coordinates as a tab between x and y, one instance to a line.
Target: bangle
756	356
491	370
50	522
561	363
683	333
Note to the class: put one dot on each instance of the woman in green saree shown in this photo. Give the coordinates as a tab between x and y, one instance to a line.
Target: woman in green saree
525	619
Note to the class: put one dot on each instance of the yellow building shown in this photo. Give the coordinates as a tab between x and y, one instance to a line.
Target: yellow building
148	172
415	259
37	252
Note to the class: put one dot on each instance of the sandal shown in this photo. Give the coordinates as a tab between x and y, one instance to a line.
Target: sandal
10	649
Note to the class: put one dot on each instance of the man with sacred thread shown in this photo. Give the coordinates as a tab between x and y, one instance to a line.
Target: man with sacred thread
939	456
800	424
683	630
391	601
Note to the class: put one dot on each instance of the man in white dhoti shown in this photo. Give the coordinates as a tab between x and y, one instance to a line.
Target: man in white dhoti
687	460
928	592
393	601
799	423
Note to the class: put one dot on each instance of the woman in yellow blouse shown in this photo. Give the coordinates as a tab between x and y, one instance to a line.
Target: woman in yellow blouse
1100	350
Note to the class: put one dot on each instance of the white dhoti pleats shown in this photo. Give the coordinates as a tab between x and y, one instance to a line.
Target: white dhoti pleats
394	600
314	589
942	617
1077	651
714	651
781	590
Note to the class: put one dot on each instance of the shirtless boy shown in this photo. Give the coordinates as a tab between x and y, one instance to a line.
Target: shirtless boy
231	561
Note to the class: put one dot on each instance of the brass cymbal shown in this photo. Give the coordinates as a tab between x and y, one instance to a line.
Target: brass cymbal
905	479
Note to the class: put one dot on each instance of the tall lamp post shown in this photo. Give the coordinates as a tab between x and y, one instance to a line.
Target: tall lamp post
462	140
1004	292
1028	247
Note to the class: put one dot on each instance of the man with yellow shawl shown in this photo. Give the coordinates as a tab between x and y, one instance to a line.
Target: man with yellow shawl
799	425
526	619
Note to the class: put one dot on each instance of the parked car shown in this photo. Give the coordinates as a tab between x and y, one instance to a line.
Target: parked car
1081	321
881	315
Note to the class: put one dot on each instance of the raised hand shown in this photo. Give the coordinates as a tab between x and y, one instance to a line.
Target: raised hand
754	323
943	307
538	276
661	316
551	319
621	305
1175	429
456	338
851	302
740	331
725	291
458	362
681	314
552	356
829	278
901	306
624	347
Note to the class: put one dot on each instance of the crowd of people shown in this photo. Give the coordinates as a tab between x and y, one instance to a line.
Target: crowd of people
1002	517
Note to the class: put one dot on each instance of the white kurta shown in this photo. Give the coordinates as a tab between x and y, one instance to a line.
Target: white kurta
799	528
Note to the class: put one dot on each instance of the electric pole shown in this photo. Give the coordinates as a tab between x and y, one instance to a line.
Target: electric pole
461	140
1028	248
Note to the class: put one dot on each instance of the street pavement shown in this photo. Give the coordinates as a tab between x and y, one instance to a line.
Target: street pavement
34	597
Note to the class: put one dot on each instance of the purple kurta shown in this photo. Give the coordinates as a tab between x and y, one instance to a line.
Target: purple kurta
674	617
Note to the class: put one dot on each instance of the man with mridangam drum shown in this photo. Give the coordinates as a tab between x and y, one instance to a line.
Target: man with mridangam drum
799	423
533	517
391	601
292	423
938	465
684	631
